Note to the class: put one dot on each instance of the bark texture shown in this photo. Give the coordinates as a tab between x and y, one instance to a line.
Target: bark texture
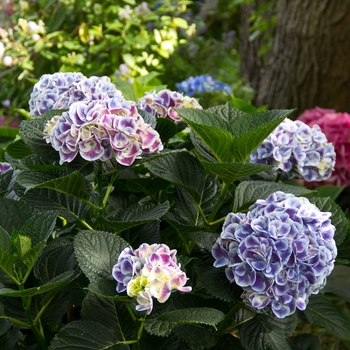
309	63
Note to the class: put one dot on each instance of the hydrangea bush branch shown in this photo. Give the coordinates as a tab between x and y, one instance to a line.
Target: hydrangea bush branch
120	227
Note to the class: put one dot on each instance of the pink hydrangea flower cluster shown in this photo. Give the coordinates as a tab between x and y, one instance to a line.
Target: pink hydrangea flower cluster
60	90
161	104
102	129
336	127
151	271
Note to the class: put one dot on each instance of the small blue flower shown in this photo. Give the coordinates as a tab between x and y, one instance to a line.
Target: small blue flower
280	252
202	84
296	150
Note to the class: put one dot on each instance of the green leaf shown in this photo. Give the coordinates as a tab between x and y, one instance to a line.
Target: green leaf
45	199
97	308
247	192
97	253
40	226
267	332
54	283
338	217
127	88
9	217
32	134
329	191
136	215
244	145
7	131
258	121
307	342
18	149
73	184
166	129
182	169
217	138
87	335
20	245
230	172
344	249
163	324
6	182
226	112
185	207
196	336
31	256
148	185
7	262
4	240
321	311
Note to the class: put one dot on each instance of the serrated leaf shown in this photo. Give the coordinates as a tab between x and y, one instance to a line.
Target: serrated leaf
250	121
146	185
96	308
73	184
338	217
321	311
265	332
163	324
202	148
247	192
219	141
204	240
54	283
87	335
32	134
9	217
182	169
18	149
40	226
227	112
20	245
196	336
55	261
166	129
185	207
230	172
45	199
97	252
329	191
136	215
31	256
4	240
7	262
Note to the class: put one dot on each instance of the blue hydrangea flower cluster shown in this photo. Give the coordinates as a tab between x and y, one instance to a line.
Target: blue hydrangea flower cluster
60	90
102	129
280	252
161	104
151	271
201	84
296	150
5	167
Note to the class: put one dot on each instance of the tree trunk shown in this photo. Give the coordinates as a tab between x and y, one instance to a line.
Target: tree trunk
309	63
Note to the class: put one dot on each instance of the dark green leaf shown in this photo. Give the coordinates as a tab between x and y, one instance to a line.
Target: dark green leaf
202	148
196	336
87	335
166	128
146	185
31	256
306	342
321	311
4	240
226	112
329	191
97	252
7	262
10	340
265	332
163	324
338	217
247	192
4	325
186	208
182	169
18	149
230	172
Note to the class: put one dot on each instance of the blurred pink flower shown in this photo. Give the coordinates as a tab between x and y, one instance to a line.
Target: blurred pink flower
336	127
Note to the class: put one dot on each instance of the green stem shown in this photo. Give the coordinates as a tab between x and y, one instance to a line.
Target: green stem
223	193
131	312
85	224
228	318
109	189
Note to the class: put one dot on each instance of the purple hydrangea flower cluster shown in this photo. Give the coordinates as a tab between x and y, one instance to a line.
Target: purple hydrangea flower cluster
98	129
5	167
296	150
201	84
151	271
161	104
60	90
280	252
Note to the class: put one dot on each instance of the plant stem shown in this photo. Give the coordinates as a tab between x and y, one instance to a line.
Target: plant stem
228	318
223	193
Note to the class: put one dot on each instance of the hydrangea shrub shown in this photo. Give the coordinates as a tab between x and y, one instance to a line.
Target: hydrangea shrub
110	221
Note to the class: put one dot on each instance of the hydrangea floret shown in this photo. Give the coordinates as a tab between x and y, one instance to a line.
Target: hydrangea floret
336	127
5	167
101	130
280	252
151	271
296	150
161	104
60	90
202	84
